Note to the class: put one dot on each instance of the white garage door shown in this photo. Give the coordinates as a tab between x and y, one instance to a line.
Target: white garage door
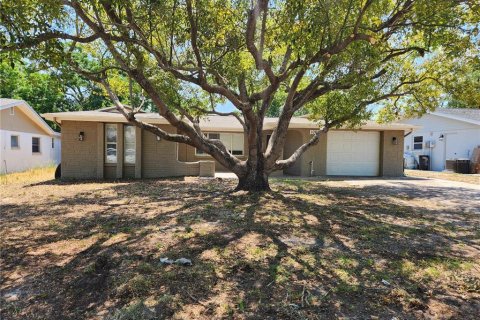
352	153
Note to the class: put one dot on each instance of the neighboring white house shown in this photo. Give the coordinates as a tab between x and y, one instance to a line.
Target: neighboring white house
26	140
446	134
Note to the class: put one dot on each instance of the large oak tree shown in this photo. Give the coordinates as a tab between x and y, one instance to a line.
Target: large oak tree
332	58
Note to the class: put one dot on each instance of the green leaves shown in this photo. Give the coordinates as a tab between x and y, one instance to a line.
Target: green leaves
405	56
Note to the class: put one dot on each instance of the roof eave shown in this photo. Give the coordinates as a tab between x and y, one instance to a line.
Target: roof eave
453	117
32	114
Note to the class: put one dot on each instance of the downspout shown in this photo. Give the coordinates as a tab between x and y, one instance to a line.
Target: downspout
406	135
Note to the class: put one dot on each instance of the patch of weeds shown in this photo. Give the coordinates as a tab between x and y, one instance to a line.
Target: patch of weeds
53	225
261	253
146	268
138	285
90	269
300	184
144	232
401	297
126	229
346	288
188	219
280	274
241	305
166	298
404	267
134	311
347	262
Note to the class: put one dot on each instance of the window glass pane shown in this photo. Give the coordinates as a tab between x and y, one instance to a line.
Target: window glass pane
237	144
129	142
214	136
35	144
111	143
111	133
226	139
418	139
14	141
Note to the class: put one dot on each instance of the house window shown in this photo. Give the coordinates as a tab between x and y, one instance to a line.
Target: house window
111	143
129	144
53	143
418	143
232	141
237	144
12	111
35	145
14	142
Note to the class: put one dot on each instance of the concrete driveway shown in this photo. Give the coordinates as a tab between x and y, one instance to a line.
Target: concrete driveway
437	193
433	193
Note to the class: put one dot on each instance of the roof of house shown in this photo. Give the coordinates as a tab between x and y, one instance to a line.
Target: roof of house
466	115
31	114
208	123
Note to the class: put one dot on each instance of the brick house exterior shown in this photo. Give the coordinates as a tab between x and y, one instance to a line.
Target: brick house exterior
90	153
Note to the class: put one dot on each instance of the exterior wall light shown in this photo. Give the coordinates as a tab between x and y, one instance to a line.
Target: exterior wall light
158	138
441	137
394	141
81	136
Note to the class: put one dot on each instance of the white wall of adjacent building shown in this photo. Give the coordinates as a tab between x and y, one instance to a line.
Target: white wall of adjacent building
442	139
14	159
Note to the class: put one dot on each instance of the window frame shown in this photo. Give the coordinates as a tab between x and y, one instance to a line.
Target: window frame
125	144
106	161
39	145
200	153
416	143
18	141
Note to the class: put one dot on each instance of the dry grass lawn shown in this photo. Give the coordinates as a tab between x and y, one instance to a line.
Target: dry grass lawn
451	176
307	250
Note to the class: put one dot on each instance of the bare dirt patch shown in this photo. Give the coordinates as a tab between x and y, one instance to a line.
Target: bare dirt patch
307	250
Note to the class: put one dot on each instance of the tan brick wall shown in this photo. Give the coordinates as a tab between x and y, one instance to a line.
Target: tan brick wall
159	158
110	171
84	159
79	158
207	169
391	155
129	172
295	138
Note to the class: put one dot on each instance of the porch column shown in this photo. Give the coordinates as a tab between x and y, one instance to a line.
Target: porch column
119	150
100	149
138	153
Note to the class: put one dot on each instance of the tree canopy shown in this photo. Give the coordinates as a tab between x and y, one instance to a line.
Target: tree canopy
331	59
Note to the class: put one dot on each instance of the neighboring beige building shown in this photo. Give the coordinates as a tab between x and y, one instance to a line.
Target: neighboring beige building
101	144
26	140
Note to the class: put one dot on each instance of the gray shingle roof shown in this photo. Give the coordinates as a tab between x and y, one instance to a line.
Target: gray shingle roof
467	114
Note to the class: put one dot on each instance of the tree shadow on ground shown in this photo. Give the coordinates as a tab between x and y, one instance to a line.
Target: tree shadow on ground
305	250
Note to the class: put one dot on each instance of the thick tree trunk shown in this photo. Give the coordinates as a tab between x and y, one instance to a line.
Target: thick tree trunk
255	180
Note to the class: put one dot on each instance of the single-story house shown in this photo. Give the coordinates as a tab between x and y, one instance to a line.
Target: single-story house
445	134
26	140
101	144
